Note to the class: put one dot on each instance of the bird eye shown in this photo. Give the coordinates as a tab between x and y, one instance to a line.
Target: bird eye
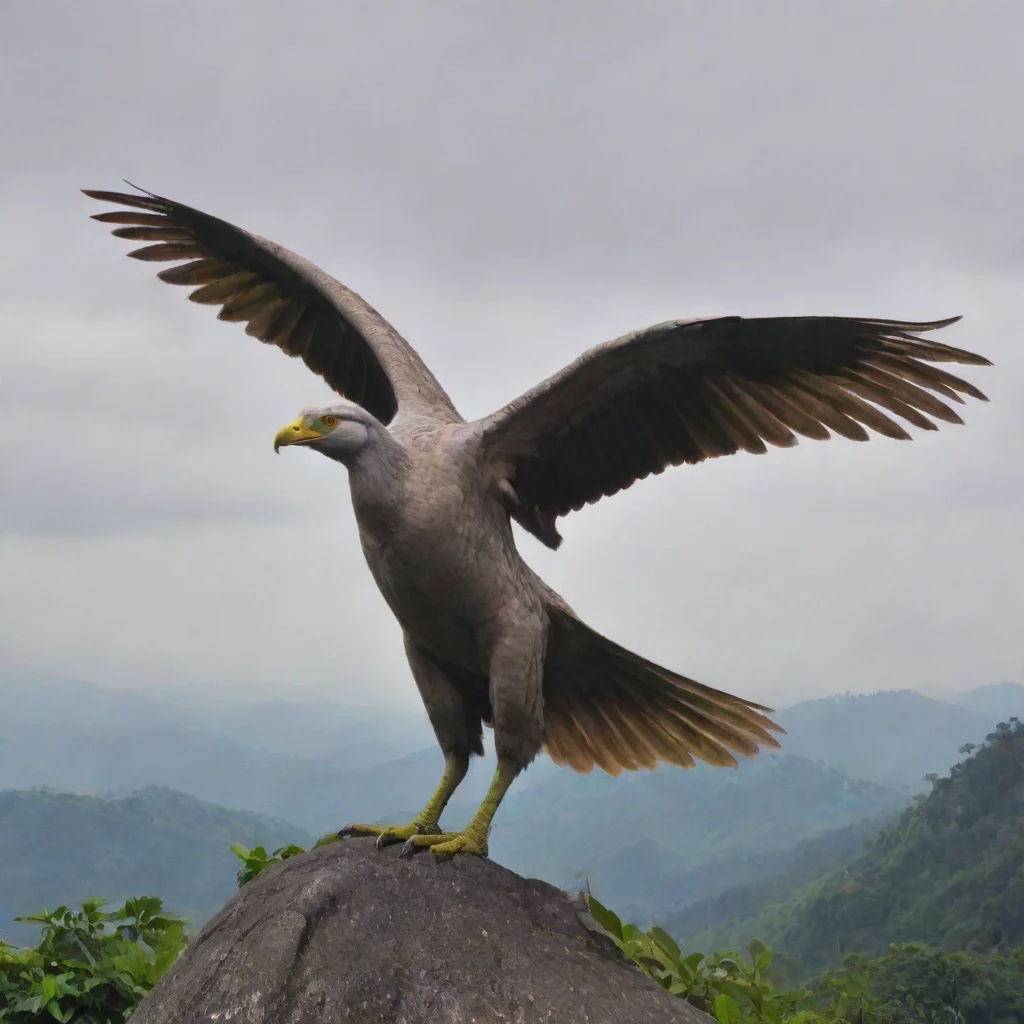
329	421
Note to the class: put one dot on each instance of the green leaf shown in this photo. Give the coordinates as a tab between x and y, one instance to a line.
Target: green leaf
608	920
666	942
726	1010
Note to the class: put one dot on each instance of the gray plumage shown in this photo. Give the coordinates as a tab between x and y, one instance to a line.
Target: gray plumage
434	496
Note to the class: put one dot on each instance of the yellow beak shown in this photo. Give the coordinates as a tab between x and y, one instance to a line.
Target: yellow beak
295	433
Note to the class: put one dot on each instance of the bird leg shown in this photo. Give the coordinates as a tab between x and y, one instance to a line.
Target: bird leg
426	822
473	838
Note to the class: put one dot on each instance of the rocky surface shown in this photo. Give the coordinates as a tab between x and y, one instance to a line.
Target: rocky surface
347	933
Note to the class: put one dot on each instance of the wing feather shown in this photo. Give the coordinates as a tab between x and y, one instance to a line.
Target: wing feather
284	301
685	391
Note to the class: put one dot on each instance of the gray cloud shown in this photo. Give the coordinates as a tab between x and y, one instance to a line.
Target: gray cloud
508	185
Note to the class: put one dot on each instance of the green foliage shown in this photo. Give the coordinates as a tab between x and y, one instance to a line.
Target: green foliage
915	984
92	966
733	989
257	859
949	873
911	984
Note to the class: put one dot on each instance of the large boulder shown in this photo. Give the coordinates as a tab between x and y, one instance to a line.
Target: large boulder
347	933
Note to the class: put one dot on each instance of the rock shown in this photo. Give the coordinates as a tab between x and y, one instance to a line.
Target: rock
347	933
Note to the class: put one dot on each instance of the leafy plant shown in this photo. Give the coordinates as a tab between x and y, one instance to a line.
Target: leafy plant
257	859
733	989
89	965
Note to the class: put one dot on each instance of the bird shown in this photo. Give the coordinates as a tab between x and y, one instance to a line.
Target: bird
488	642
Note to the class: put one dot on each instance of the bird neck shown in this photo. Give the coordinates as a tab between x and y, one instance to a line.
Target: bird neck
378	473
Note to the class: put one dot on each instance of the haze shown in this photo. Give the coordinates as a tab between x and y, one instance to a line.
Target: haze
508	185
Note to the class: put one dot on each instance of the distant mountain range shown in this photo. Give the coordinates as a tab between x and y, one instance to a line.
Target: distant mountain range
895	737
650	843
319	765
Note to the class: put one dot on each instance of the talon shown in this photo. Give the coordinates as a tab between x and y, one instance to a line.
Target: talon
391	836
409	848
353	829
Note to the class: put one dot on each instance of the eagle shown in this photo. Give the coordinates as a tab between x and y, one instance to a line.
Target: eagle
488	642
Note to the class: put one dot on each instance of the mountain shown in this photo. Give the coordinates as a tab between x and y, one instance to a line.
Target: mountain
1000	701
948	873
321	764
63	848
766	879
79	737
895	737
338	735
651	842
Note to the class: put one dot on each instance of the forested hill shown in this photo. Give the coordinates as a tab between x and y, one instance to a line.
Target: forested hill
949	873
63	848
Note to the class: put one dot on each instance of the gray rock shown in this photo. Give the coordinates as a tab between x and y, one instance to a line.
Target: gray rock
344	933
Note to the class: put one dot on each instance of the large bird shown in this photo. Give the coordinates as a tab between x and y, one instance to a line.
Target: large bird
488	642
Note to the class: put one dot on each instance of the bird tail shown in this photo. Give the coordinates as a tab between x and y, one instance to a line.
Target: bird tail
606	706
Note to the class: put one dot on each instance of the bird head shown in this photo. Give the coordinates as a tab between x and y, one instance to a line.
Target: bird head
337	429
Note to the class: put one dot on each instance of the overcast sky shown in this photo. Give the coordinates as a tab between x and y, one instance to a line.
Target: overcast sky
508	184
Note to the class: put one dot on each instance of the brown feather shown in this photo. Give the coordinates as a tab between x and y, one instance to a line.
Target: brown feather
124	199
758	416
838	396
911	394
249	302
802	387
856	382
785	409
132	217
731	417
164	251
166	233
258	326
201	271
927	376
224	288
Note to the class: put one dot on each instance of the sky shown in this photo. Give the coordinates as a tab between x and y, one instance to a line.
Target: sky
508	184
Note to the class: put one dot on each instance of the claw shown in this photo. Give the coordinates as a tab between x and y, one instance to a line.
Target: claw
387	838
446	844
353	829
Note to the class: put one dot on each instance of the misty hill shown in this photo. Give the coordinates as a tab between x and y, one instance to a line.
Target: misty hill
320	765
948	873
1001	701
317	762
650	842
895	737
79	737
63	848
773	878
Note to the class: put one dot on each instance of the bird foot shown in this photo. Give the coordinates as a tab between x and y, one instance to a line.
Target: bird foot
388	834
446	844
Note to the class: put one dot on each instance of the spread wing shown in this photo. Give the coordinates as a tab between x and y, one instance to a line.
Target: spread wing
284	300
685	391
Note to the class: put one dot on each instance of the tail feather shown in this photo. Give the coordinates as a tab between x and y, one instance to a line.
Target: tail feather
607	707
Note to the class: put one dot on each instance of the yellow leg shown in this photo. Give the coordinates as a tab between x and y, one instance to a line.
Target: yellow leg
426	822
473	838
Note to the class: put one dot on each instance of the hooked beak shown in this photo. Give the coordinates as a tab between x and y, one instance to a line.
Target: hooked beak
295	433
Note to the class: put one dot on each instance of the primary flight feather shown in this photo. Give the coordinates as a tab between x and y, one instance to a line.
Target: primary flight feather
488	642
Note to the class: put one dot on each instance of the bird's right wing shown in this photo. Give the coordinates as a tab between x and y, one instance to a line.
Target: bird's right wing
285	301
689	390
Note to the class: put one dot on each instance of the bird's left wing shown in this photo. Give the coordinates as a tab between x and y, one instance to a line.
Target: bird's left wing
689	390
284	300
